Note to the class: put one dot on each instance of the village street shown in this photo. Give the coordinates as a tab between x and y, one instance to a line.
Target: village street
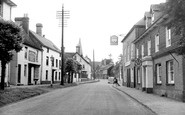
88	99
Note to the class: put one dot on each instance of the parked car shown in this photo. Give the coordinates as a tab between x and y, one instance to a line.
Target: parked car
110	80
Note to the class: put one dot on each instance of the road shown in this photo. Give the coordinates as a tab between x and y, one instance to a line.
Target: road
88	99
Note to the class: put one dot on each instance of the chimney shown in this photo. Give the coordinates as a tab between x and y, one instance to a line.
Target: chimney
24	22
39	29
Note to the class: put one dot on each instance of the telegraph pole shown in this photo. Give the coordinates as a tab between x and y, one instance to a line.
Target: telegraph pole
61	15
93	65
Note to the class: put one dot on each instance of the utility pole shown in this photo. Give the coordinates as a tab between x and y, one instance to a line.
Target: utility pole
61	15
94	66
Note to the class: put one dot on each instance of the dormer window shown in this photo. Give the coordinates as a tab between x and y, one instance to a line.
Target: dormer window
152	20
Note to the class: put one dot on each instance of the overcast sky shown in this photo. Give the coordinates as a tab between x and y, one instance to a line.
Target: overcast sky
92	21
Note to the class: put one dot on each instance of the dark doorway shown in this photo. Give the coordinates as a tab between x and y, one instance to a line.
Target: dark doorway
134	77
52	75
29	75
128	77
19	73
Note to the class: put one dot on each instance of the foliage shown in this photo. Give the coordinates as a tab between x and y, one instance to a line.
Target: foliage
176	13
10	40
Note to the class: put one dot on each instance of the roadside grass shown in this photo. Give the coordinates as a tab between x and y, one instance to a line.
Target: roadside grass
10	95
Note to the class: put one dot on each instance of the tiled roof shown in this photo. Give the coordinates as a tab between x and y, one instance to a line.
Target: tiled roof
69	54
106	67
45	42
138	24
157	7
28	40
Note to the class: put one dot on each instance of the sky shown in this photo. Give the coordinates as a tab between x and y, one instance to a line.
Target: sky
92	21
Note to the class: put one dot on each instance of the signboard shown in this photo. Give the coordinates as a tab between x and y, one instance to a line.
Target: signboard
114	40
32	56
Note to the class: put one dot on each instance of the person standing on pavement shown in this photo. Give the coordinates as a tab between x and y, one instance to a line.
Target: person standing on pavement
115	81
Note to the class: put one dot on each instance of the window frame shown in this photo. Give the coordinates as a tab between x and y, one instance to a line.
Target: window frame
157	42
149	47
170	73
168	37
158	73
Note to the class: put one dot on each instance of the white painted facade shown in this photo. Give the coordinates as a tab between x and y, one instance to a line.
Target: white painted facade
27	66
48	70
86	67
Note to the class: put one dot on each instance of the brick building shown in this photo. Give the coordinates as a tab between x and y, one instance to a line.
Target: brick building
160	70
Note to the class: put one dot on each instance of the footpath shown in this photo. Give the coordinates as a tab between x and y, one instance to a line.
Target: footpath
157	104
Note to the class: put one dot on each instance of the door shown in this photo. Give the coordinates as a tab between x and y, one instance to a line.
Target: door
29	74
19	74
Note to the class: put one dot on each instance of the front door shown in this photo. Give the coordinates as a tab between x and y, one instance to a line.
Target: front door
29	74
19	74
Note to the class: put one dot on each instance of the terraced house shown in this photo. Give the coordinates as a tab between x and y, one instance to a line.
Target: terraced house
39	60
159	69
5	14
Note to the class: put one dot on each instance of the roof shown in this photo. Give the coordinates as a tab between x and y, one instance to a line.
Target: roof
140	23
157	7
28	40
9	2
45	42
69	54
106	67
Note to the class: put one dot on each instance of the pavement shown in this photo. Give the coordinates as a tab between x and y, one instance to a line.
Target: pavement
159	105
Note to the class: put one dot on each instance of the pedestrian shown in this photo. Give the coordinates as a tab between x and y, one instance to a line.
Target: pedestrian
115	81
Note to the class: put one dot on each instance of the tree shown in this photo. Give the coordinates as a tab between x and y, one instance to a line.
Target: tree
10	41
70	69
175	9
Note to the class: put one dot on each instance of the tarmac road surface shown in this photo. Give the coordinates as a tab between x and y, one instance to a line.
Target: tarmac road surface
98	98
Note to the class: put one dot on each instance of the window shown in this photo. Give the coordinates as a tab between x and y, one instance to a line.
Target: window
152	18
157	43
138	76
47	50
25	70
142	50
52	61
46	74
56	62
132	51
125	55
149	48
37	56
55	76
170	72
59	75
60	63
83	66
128	53
137	53
47	60
26	53
158	73
168	37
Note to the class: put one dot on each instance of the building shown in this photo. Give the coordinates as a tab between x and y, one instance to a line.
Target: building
25	67
129	78
5	14
161	69
85	62
6	9
51	58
